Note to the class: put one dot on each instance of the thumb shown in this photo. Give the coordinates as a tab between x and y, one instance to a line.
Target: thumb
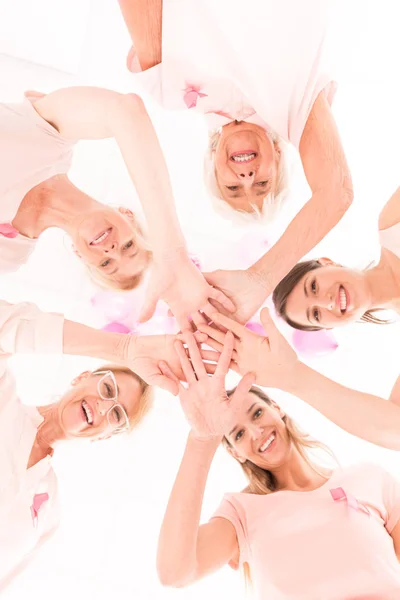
267	322
148	308
209	277
245	384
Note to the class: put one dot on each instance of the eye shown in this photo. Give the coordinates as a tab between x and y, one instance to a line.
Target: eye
315	315
239	435
128	245
109	392
105	263
257	413
314	286
232	188
261	183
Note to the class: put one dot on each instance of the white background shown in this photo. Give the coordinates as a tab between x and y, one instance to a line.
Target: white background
114	493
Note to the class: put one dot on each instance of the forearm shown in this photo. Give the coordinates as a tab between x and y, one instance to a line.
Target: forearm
143	19
143	156
363	415
176	557
81	340
321	213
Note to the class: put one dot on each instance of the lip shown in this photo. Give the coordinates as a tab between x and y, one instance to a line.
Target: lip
95	244
347	300
271	446
243	162
90	405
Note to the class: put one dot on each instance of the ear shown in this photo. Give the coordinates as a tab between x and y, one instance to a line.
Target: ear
236	455
278	409
277	148
80	377
325	262
126	212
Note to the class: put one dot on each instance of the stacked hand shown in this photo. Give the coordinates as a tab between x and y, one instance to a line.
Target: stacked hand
143	355
269	357
244	288
209	411
180	284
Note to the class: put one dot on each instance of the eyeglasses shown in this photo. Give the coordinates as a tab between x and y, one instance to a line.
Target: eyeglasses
108	390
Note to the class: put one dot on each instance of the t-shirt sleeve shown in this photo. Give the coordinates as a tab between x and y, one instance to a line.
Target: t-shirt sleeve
231	509
391	500
26	329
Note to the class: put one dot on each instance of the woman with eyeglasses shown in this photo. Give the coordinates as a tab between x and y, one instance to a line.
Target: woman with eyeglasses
37	138
99	404
261	75
301	529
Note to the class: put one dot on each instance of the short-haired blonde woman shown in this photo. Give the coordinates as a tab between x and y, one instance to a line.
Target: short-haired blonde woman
260	75
299	530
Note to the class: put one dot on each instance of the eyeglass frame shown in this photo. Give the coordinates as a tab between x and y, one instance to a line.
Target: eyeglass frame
114	400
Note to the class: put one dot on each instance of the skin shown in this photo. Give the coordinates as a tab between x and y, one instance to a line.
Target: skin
199	550
58	203
245	184
65	420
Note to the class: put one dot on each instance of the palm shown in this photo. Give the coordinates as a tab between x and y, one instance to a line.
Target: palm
181	285
243	288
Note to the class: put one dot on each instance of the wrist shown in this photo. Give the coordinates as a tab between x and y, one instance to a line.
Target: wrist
294	378
204	444
170	253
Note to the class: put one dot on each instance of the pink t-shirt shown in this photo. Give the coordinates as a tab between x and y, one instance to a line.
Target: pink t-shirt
230	60
31	151
331	543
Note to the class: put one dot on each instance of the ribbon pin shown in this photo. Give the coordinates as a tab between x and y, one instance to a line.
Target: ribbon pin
8	231
339	494
191	95
38	501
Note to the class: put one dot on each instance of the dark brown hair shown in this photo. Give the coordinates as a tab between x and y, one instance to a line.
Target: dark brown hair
283	290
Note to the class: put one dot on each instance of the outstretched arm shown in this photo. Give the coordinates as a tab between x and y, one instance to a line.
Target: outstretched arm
143	19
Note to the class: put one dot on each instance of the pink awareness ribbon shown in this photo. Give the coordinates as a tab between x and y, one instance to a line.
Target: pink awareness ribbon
339	494
191	95
38	501
8	231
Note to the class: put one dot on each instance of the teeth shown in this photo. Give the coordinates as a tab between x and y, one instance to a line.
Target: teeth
267	443
243	157
88	412
100	238
342	299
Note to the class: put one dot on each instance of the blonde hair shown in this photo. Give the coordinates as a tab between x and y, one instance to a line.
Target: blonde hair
146	398
261	481
272	204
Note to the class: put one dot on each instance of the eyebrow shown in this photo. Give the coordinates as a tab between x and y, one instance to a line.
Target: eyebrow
247	412
120	403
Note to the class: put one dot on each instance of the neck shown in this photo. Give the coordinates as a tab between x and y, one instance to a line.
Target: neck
54	203
383	283
297	475
49	431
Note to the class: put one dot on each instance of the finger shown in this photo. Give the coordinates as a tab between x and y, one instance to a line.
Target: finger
210	368
184	323
226	355
214	345
270	328
185	363
200	338
220	297
244	385
148	308
213	333
166	383
198	318
234	367
230	324
166	370
210	355
195	356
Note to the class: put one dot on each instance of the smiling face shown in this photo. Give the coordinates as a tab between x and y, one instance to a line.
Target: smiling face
246	165
83	413
329	296
108	241
260	435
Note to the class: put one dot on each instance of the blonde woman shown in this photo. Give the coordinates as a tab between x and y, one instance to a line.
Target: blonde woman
298	530
36	141
262	80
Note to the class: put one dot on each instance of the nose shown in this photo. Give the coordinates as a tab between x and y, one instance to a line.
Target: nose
102	406
327	302
247	174
255	431
111	248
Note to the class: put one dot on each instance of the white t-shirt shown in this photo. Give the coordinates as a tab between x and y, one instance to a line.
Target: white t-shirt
29	502
31	151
